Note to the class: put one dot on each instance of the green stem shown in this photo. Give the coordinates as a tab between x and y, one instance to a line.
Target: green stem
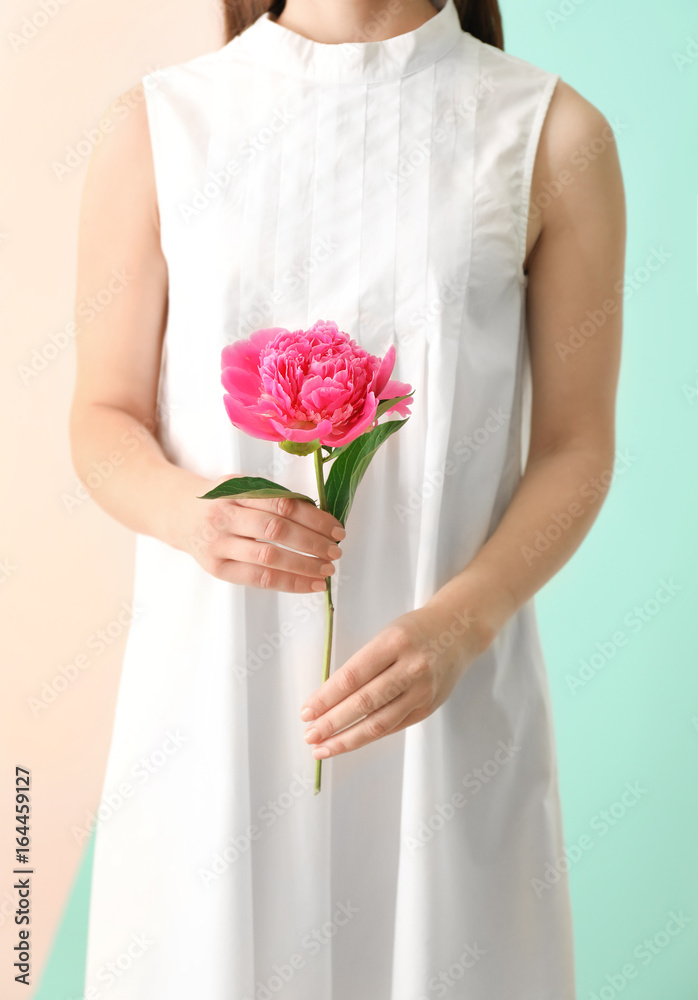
329	606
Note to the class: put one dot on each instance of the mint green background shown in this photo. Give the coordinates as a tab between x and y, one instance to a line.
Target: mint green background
636	720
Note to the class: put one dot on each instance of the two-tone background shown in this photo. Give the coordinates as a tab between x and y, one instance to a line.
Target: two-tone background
618	622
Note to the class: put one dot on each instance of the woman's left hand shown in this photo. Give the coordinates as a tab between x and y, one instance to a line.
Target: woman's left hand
400	677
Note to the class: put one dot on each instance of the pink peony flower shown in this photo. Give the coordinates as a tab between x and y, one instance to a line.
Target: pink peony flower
307	385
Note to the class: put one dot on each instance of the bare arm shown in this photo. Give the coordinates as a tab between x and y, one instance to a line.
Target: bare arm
113	414
119	346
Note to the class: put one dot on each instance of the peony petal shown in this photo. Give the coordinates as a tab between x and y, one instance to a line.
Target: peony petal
244	385
394	388
260	338
245	353
298	434
384	371
252	423
357	426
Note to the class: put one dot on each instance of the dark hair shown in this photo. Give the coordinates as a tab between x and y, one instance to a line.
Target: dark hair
481	18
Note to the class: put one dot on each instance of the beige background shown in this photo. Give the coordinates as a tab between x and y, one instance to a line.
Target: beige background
54	551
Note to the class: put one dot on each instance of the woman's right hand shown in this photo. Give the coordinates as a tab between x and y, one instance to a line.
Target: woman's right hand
279	543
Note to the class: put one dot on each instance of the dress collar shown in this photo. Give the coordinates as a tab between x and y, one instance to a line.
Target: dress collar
278	47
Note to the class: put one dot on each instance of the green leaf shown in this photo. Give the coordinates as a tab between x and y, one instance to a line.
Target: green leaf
336	452
384	404
349	468
251	487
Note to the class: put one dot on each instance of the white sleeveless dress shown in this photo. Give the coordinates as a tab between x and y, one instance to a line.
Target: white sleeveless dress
384	185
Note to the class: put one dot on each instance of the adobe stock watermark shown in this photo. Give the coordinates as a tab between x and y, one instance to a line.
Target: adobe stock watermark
260	312
634	621
690	390
591	491
33	24
377	22
682	60
102	470
374	25
579	160
429	651
474	781
460	623
310	945
452	290
267	815
643	955
595	319
563	12
419	153
108	974
7	570
217	181
81	151
444	981
141	772
97	643
463	450
600	825
87	310
306	607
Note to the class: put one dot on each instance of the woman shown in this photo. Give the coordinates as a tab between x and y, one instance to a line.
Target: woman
387	166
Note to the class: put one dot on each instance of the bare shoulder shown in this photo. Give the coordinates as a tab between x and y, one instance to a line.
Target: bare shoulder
576	169
120	262
121	170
